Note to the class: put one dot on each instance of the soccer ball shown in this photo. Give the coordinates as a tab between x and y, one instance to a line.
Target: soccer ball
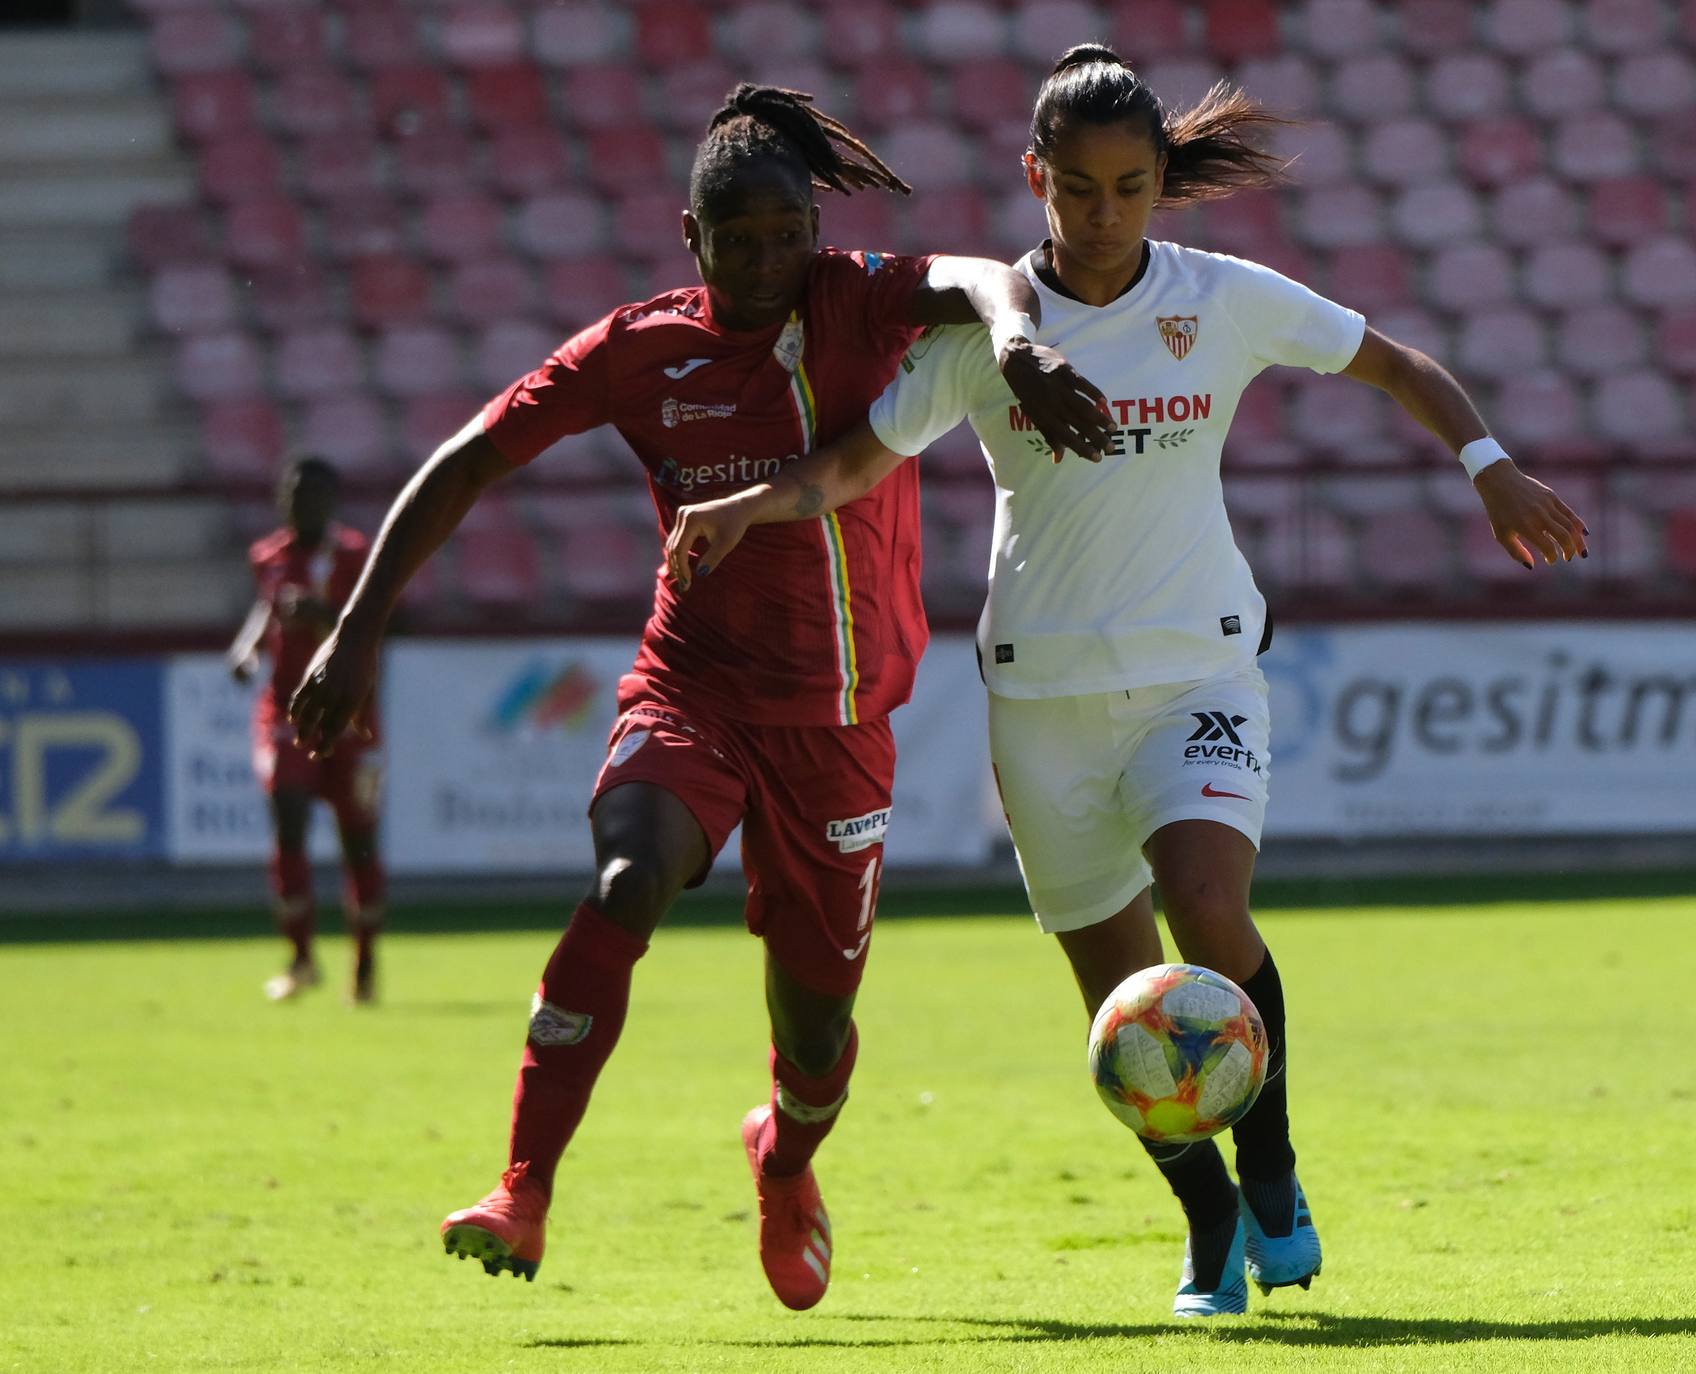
1178	1053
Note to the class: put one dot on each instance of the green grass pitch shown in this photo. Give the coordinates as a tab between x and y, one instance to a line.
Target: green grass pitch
1494	1106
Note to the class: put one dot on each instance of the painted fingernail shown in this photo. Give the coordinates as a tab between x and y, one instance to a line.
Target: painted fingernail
704	569
1584	553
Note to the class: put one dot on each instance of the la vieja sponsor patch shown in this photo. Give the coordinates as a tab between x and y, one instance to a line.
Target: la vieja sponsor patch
858	832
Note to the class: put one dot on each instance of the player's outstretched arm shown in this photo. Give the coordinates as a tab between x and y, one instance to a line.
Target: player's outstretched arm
242	657
336	689
1527	518
1067	410
840	472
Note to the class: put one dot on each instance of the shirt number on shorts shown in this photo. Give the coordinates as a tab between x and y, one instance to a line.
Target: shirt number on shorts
868	899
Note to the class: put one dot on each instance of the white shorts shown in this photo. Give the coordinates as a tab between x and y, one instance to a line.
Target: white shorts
1085	780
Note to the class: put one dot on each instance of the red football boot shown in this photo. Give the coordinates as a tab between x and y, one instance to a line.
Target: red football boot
794	1228
506	1229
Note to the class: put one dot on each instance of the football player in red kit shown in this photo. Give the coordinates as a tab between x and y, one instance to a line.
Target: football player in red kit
305	572
761	697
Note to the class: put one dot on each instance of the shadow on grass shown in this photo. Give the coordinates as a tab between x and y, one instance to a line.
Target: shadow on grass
1292	1329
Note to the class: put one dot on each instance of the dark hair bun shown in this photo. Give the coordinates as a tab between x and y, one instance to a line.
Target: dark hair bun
1082	53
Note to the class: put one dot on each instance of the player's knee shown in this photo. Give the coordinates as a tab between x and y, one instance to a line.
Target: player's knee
633	891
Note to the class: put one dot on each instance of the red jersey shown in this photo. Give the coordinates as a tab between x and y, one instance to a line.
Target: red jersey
283	570
815	622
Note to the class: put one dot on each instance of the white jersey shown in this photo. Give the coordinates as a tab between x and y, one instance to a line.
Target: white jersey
1121	574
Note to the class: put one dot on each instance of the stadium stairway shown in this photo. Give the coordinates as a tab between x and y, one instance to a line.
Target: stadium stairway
85	394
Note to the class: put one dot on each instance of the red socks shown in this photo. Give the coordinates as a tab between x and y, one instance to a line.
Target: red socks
291	880
804	1109
575	1021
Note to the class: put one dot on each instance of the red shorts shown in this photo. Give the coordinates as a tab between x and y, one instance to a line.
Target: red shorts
350	779
813	802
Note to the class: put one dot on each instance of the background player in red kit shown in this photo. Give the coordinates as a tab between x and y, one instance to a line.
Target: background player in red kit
747	701
305	572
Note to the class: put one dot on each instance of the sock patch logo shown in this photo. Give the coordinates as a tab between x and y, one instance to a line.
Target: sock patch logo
804	1112
551	1025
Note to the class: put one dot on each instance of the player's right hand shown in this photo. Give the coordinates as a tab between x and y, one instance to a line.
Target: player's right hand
718	525
243	669
336	691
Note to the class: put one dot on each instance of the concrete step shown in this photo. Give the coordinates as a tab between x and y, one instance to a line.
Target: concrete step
47	597
205	591
192	528
74	63
64	259
94	455
69	324
95	194
114	129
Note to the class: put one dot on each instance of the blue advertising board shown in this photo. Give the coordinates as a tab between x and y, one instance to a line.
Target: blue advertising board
81	760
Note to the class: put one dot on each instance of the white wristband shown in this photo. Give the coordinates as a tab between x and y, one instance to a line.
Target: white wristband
1007	327
1479	454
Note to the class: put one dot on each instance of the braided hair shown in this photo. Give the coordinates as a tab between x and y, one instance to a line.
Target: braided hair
769	121
1210	149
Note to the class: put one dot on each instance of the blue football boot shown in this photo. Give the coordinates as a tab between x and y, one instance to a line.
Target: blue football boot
1231	1294
1282	1261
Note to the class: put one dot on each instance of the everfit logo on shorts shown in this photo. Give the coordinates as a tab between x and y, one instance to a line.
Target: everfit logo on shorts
627	746
1217	725
551	1025
858	832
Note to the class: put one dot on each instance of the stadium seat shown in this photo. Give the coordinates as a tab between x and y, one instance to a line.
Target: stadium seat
1593	147
207	105
689	96
1660	273
388	290
315	100
664	271
319	361
769	31
1467	85
1638	408
192	298
509	97
609	562
197	40
1238	224
1680	540
460	226
410	100
1672	152
1288	83
1334	414
287	36
617	159
352	433
949	219
1522	27
983	92
928	154
510	349
648	224
604	96
435	163
1323	153
1622	26
481	34
889	94
579	291
157	235
217	367
340	166
1536	210
672	33
1238	29
1565	274
580	33
358	226
1482	559
523	162
1375	87
1562	83
1431	27
376	36
1416	327
1405	550
1017	223
1339	217
1337	28
1404	152
418	360
866	219
1259	417
243	440
289	295
966	30
1310	549
1150	28
1470	275
1675	341
1662	83
264	233
1181	82
429	421
496	556
489	289
239	167
1493	152
1500	343
1627	549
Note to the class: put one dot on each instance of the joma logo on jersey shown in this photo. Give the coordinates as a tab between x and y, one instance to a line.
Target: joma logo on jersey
858	832
1178	333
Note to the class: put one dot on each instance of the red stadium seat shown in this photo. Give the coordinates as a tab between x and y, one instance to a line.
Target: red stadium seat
1470	275
352	432
1483	559
1335	414
1493	152
291	295
523	162
418	360
1681	542
242	440
985	92
509	350
315	100
579	32
647	224
1596	340
1638	408
208	105
861	35
198	40
1239	29
429	421
1521	27
491	289
406	101
950	219
287	37
1375	87
1660	273
1563	83
560	224
1405	550
192	298
1430	27
1675	341
1340	216
460	226
481	34
1672	151
388	290
1537	210
1661	83
1416	327
1152	28
340	166
1621	26
889	95
1309	548
603	96
381	35
866	219
509	97
161	234
1288	82
1594	147
1501	342
264	233
217	367
1323	153
928	154
1404	152
1564	274
1182	81
435	163
358	226
1467	85
1629	210
690	96
1371	276
1339	28
968	30
317	362
579	291
617	159
499	566
608	561
672	33
767	31
239	167
1240	224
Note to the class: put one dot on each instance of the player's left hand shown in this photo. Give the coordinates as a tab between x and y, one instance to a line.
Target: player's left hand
1527	518
336	691
1067	410
718	525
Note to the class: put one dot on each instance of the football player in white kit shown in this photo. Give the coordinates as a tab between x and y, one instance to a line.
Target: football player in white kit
1128	720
